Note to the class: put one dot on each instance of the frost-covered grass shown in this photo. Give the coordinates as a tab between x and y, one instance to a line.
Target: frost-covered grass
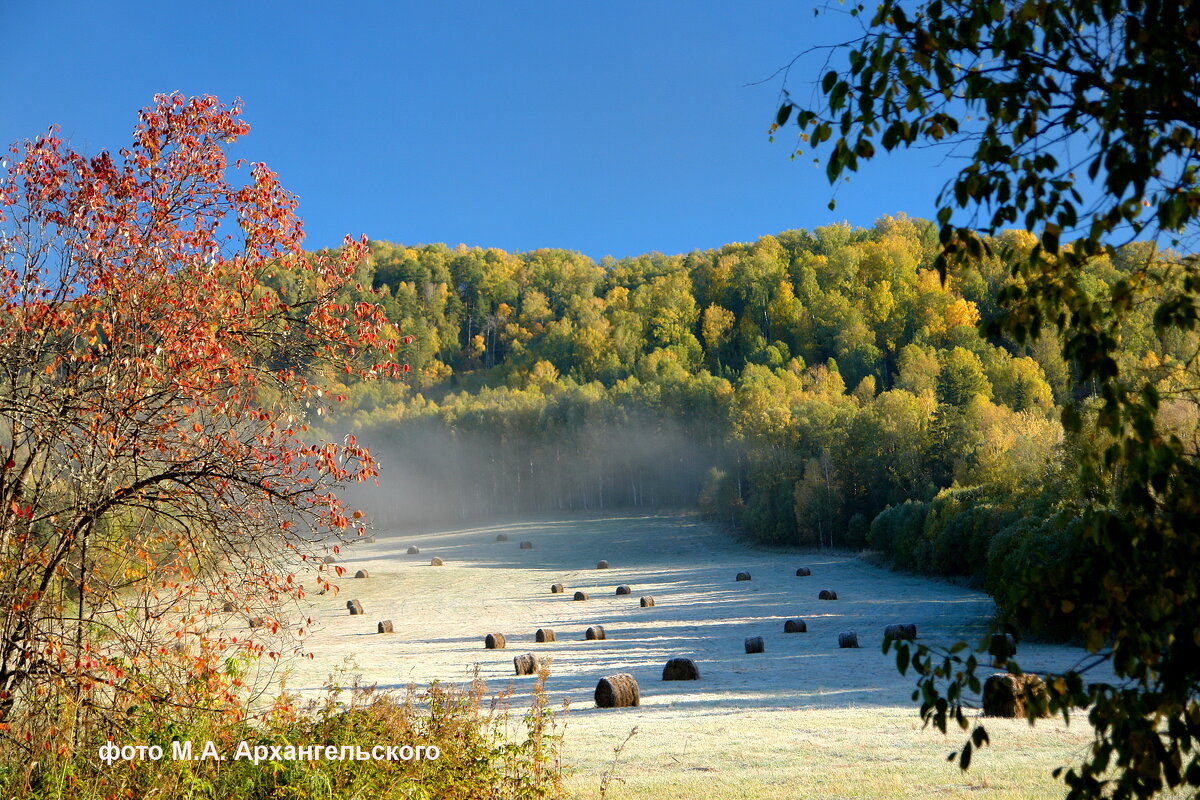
803	719
868	752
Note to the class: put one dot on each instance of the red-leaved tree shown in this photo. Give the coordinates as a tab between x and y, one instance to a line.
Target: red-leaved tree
157	487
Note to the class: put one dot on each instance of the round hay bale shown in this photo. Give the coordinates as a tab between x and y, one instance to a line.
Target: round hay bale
362	573
743	576
414	550
795	626
526	545
435	562
501	537
900	630
803	572
495	641
355	607
328	560
1008	695
594	633
386	627
847	639
257	622
557	588
647	601
754	644
526	664
544	635
618	691
681	669
602	565
624	589
581	596
827	594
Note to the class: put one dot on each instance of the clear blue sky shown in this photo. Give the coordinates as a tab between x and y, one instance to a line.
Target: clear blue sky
610	128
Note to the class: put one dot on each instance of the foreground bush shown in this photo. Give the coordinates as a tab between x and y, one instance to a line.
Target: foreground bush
481	752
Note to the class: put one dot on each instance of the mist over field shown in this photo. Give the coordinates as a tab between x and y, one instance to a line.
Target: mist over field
431	473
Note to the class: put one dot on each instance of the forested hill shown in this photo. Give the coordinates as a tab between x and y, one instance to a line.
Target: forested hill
798	386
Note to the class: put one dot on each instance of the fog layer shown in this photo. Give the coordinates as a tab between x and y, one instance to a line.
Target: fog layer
432	472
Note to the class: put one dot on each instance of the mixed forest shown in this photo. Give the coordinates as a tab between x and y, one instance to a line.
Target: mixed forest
822	388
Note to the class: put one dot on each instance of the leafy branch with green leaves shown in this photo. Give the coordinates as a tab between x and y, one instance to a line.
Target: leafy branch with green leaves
1038	94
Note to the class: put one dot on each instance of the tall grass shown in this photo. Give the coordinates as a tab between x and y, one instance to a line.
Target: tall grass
483	751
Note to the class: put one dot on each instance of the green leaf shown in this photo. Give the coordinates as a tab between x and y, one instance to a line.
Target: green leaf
980	736
837	97
785	111
1050	238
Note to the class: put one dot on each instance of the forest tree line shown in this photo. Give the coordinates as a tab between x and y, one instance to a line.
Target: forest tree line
815	388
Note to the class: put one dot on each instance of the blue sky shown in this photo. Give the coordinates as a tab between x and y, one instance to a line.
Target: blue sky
612	128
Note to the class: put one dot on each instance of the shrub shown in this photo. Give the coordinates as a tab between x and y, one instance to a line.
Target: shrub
479	755
898	533
1019	558
960	527
857	531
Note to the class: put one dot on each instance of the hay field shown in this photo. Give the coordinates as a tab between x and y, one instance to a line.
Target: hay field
802	719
